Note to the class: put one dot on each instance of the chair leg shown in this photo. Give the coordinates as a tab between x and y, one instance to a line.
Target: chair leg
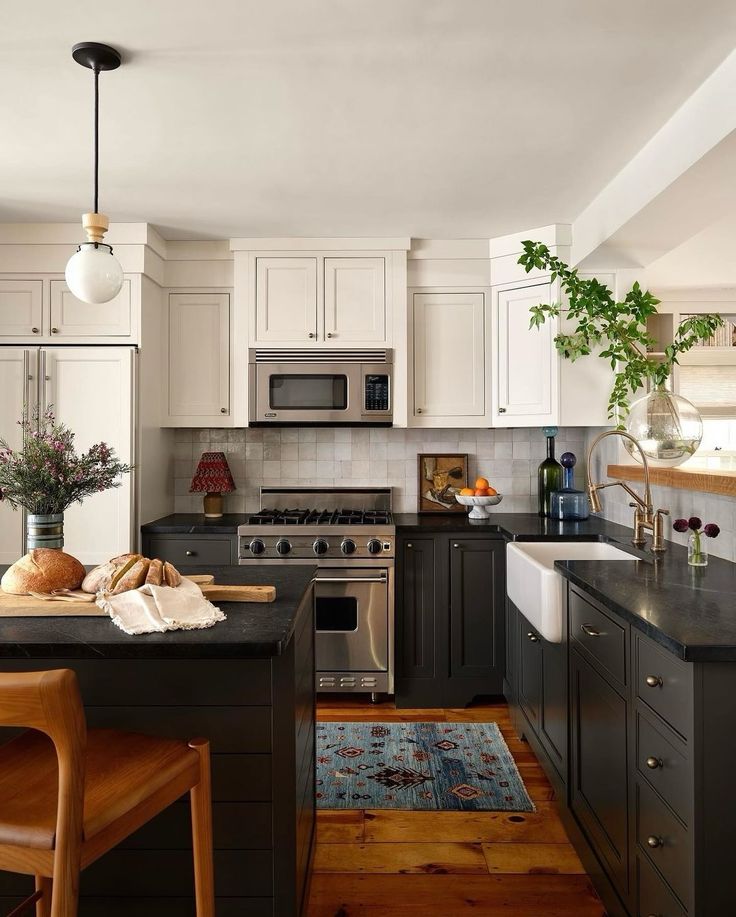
43	905
201	802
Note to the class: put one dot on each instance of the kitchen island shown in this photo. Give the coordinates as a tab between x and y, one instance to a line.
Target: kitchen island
247	685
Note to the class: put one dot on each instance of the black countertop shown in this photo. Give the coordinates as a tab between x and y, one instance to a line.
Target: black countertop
516	526
194	524
252	629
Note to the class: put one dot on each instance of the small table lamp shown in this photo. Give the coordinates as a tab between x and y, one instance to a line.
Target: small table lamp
212	478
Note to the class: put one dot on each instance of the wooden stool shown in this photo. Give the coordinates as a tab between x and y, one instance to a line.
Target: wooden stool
110	783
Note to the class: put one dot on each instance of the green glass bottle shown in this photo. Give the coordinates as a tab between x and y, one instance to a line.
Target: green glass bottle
549	474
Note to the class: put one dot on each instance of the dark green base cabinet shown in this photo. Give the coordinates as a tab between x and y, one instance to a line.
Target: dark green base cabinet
651	742
449	619
259	717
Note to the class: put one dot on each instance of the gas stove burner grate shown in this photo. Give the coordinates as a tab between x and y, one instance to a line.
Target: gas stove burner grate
320	517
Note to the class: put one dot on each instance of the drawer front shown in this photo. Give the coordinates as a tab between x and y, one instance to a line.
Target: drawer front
600	636
653	897
665	684
664	841
664	766
194	550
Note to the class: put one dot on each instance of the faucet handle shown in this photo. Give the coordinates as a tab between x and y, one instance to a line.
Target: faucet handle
663	512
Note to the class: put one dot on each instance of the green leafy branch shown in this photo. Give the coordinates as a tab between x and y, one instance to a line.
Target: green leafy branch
617	330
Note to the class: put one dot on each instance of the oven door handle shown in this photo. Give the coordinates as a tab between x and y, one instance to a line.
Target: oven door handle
351	579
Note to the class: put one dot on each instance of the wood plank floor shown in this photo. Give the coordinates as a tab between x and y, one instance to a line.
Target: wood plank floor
394	863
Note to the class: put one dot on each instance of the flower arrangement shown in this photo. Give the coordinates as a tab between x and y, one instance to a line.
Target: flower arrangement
47	475
697	555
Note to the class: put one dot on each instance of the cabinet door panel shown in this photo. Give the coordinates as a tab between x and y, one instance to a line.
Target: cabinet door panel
18	383
530	671
599	792
449	355
286	300
355	300
553	706
476	608
199	358
21	309
415	651
91	391
72	318
526	362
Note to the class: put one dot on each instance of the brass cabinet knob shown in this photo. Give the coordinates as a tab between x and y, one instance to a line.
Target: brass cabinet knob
410	545
34	330
54	330
654	681
419	410
330	334
653	841
502	410
654	763
223	410
456	545
311	334
533	637
191	553
589	631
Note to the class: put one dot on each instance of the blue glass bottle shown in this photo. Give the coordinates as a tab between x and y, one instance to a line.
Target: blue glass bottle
568	503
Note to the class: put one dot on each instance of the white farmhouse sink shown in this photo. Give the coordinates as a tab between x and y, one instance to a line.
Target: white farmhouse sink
537	589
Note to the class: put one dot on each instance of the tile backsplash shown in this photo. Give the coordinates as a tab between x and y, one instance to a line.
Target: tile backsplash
364	456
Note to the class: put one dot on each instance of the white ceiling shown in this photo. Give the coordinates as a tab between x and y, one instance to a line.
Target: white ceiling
425	118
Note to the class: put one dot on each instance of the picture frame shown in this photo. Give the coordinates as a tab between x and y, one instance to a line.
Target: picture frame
440	477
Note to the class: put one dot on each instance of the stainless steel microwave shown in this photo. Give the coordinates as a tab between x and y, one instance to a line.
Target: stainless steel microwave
320	387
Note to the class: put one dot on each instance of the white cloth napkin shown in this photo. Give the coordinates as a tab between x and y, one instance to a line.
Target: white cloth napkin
155	609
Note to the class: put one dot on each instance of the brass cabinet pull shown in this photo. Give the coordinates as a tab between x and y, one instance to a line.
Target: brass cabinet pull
191	553
34	330
54	330
654	681
410	545
653	763
330	334
589	630
223	410
456	545
653	841
419	410
533	637
502	410
311	334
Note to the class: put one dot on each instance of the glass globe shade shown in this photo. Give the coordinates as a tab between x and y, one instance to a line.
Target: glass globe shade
668	427
93	273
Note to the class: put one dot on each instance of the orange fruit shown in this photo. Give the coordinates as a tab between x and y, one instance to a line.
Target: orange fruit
481	492
467	492
481	483
492	492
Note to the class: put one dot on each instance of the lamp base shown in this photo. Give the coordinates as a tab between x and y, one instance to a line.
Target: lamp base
213	506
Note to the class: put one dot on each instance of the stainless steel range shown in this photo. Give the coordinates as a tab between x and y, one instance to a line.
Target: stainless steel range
350	534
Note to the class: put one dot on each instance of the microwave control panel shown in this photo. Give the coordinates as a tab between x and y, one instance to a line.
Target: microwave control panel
377	392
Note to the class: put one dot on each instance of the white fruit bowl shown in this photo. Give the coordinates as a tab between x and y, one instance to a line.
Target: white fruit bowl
480	505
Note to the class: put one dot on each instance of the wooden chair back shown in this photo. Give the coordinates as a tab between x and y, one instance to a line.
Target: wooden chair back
51	703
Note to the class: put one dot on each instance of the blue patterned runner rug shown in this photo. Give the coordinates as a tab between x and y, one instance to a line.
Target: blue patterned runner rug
463	766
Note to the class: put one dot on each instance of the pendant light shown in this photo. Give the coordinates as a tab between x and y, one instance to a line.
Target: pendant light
93	274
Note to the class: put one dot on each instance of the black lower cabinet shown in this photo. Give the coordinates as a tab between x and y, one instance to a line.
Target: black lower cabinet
450	624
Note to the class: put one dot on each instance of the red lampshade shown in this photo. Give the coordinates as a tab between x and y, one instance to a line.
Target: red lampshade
212	475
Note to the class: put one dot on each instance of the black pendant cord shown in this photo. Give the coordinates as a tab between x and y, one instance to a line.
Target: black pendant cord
96	72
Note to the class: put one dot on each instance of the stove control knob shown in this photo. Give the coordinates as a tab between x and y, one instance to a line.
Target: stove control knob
320	546
348	546
283	547
257	547
374	546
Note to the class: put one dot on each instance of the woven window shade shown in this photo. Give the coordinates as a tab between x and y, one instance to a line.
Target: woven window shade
712	389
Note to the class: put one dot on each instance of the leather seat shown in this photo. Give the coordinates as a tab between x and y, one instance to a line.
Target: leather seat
123	769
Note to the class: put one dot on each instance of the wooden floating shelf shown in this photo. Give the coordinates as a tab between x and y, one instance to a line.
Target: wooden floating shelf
698	479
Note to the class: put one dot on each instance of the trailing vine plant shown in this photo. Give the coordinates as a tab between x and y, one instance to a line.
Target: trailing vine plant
617	329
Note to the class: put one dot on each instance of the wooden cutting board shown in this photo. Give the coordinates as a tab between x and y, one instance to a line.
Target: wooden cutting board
27	606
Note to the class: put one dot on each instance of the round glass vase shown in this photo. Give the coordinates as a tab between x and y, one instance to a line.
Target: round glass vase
668	428
697	552
44	531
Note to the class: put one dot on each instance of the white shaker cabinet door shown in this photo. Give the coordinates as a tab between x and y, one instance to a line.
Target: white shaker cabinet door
91	390
355	300
18	382
286	300
449	361
21	309
199	360
72	318
526	389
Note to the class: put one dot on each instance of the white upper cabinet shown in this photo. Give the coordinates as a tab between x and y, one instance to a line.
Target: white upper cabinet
286	300
355	300
18	380
72	318
21	309
198	376
449	359
92	392
526	376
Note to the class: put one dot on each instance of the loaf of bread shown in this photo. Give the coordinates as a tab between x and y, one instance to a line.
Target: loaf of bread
155	575
172	577
130	571
100	579
43	570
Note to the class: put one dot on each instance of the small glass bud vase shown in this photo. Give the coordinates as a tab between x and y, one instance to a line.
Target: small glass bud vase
697	552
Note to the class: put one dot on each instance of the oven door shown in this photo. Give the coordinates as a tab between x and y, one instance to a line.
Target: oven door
352	620
324	393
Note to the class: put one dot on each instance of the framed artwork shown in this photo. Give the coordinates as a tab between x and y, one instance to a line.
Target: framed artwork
440	478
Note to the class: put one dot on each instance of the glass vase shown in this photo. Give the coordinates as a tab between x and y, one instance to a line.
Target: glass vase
697	552
44	531
668	428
